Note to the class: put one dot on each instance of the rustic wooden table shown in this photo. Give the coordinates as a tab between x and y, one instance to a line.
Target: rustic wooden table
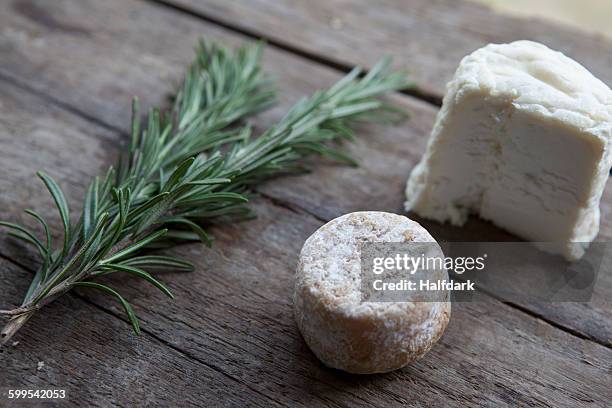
68	69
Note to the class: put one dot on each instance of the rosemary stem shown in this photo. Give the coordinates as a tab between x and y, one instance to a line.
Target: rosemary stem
13	327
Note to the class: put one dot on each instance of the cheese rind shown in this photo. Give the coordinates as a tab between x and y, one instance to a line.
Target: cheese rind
342	330
523	140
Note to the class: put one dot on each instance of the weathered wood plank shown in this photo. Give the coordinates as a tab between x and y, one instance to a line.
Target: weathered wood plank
139	59
427	37
235	314
100	364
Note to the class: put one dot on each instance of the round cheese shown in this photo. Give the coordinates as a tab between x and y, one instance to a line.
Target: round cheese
343	331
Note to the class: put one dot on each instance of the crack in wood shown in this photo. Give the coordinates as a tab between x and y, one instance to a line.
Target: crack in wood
416	91
18	83
39	15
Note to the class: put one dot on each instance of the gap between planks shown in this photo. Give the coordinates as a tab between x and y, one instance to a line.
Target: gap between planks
415	91
274	201
18	83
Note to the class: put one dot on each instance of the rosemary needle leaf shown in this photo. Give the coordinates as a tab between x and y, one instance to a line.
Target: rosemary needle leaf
134	247
220	197
150	204
159	261
45	226
90	207
178	235
27	236
60	202
41	273
109	268
178	173
211	181
122	200
204	237
126	306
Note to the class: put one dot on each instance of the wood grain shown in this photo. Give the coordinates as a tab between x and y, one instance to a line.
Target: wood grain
100	364
427	37
235	314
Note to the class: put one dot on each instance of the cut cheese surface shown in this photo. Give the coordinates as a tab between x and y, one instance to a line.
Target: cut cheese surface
523	140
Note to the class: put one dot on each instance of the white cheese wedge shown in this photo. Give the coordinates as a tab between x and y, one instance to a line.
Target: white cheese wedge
523	140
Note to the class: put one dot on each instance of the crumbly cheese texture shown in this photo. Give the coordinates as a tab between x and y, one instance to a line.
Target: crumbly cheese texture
523	140
344	332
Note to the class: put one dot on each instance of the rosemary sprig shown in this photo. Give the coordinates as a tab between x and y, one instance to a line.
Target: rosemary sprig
187	168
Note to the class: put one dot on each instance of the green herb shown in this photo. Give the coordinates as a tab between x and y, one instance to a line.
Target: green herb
189	167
